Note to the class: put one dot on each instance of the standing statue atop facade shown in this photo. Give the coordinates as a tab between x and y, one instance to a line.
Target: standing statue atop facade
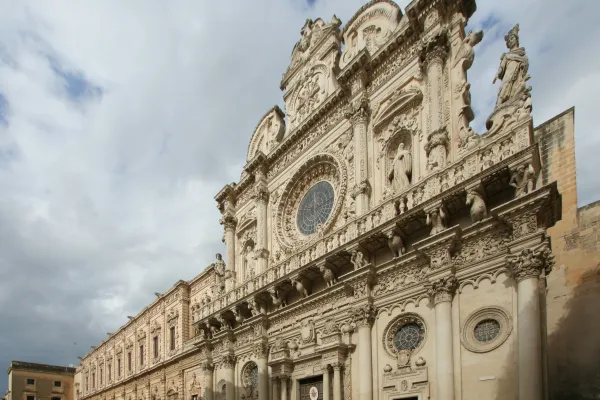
299	52
463	60
401	170
514	97
513	69
249	263
220	268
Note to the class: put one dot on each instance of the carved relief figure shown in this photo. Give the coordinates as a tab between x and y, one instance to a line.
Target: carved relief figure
374	37
300	53
220	268
522	179
357	258
463	60
513	69
401	170
249	263
396	244
437	219
475	199
328	275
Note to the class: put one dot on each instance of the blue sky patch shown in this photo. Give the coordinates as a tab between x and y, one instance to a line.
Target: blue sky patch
76	85
3	109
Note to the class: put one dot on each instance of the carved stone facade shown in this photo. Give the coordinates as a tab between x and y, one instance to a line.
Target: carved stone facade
366	221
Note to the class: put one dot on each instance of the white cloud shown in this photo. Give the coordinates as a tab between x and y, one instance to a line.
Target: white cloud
117	187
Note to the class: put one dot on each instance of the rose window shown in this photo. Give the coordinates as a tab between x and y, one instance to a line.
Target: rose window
315	207
408	337
487	330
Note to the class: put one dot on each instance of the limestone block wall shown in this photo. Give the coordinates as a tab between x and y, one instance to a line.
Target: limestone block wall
573	288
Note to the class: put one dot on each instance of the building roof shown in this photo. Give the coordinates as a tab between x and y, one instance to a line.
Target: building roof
28	366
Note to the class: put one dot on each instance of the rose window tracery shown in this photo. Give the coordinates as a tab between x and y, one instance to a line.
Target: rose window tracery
406	332
487	330
408	337
315	208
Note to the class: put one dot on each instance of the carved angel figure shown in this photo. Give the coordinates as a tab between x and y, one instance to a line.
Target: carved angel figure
437	219
522	179
513	69
357	258
401	170
463	60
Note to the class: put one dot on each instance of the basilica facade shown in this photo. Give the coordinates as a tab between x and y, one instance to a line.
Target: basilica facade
377	247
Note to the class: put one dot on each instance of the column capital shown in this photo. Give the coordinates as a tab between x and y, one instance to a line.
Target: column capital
358	112
336	366
530	263
261	350
363	315
228	361
442	289
261	195
434	51
228	221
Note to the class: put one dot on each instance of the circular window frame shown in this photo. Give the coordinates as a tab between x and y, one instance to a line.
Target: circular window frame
467	337
392	328
303	197
321	167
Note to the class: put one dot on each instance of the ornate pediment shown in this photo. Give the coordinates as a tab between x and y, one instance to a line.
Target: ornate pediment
397	102
268	133
370	28
314	35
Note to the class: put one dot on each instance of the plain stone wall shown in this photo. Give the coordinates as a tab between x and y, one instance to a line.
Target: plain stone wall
573	287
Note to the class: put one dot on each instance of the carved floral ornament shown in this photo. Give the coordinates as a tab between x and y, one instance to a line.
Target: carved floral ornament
323	167
172	317
442	289
530	263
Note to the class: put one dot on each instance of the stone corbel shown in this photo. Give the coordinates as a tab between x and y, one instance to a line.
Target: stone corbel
302	285
359	256
395	241
328	272
439	249
476	201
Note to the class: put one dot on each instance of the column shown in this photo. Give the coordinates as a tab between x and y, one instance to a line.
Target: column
261	351
437	136
363	318
337	381
294	393
229	367
526	268
326	383
261	200
361	192
229	223
284	380
442	291
274	394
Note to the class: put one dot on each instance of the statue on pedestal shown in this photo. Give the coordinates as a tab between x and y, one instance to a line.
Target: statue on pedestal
401	170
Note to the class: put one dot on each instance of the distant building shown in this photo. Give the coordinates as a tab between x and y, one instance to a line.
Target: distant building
32	381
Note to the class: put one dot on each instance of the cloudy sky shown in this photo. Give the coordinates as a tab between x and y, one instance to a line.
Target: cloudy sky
120	120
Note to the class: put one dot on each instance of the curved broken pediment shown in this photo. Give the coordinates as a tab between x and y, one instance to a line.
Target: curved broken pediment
370	28
268	133
396	102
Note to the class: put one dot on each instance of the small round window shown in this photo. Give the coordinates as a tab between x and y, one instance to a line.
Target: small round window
408	337
487	330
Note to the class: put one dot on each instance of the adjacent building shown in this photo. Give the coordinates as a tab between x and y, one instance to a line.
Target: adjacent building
32	381
377	247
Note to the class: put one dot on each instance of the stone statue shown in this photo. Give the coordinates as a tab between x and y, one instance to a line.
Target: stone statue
299	53
396	244
328	275
249	263
513	69
437	219
463	60
220	269
514	97
522	179
476	200
399	175
357	258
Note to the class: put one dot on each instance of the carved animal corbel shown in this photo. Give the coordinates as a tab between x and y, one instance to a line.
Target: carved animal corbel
238	315
301	286
357	258
395	243
277	297
328	275
476	199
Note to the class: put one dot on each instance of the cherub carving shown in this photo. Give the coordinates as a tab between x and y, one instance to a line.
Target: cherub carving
357	258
